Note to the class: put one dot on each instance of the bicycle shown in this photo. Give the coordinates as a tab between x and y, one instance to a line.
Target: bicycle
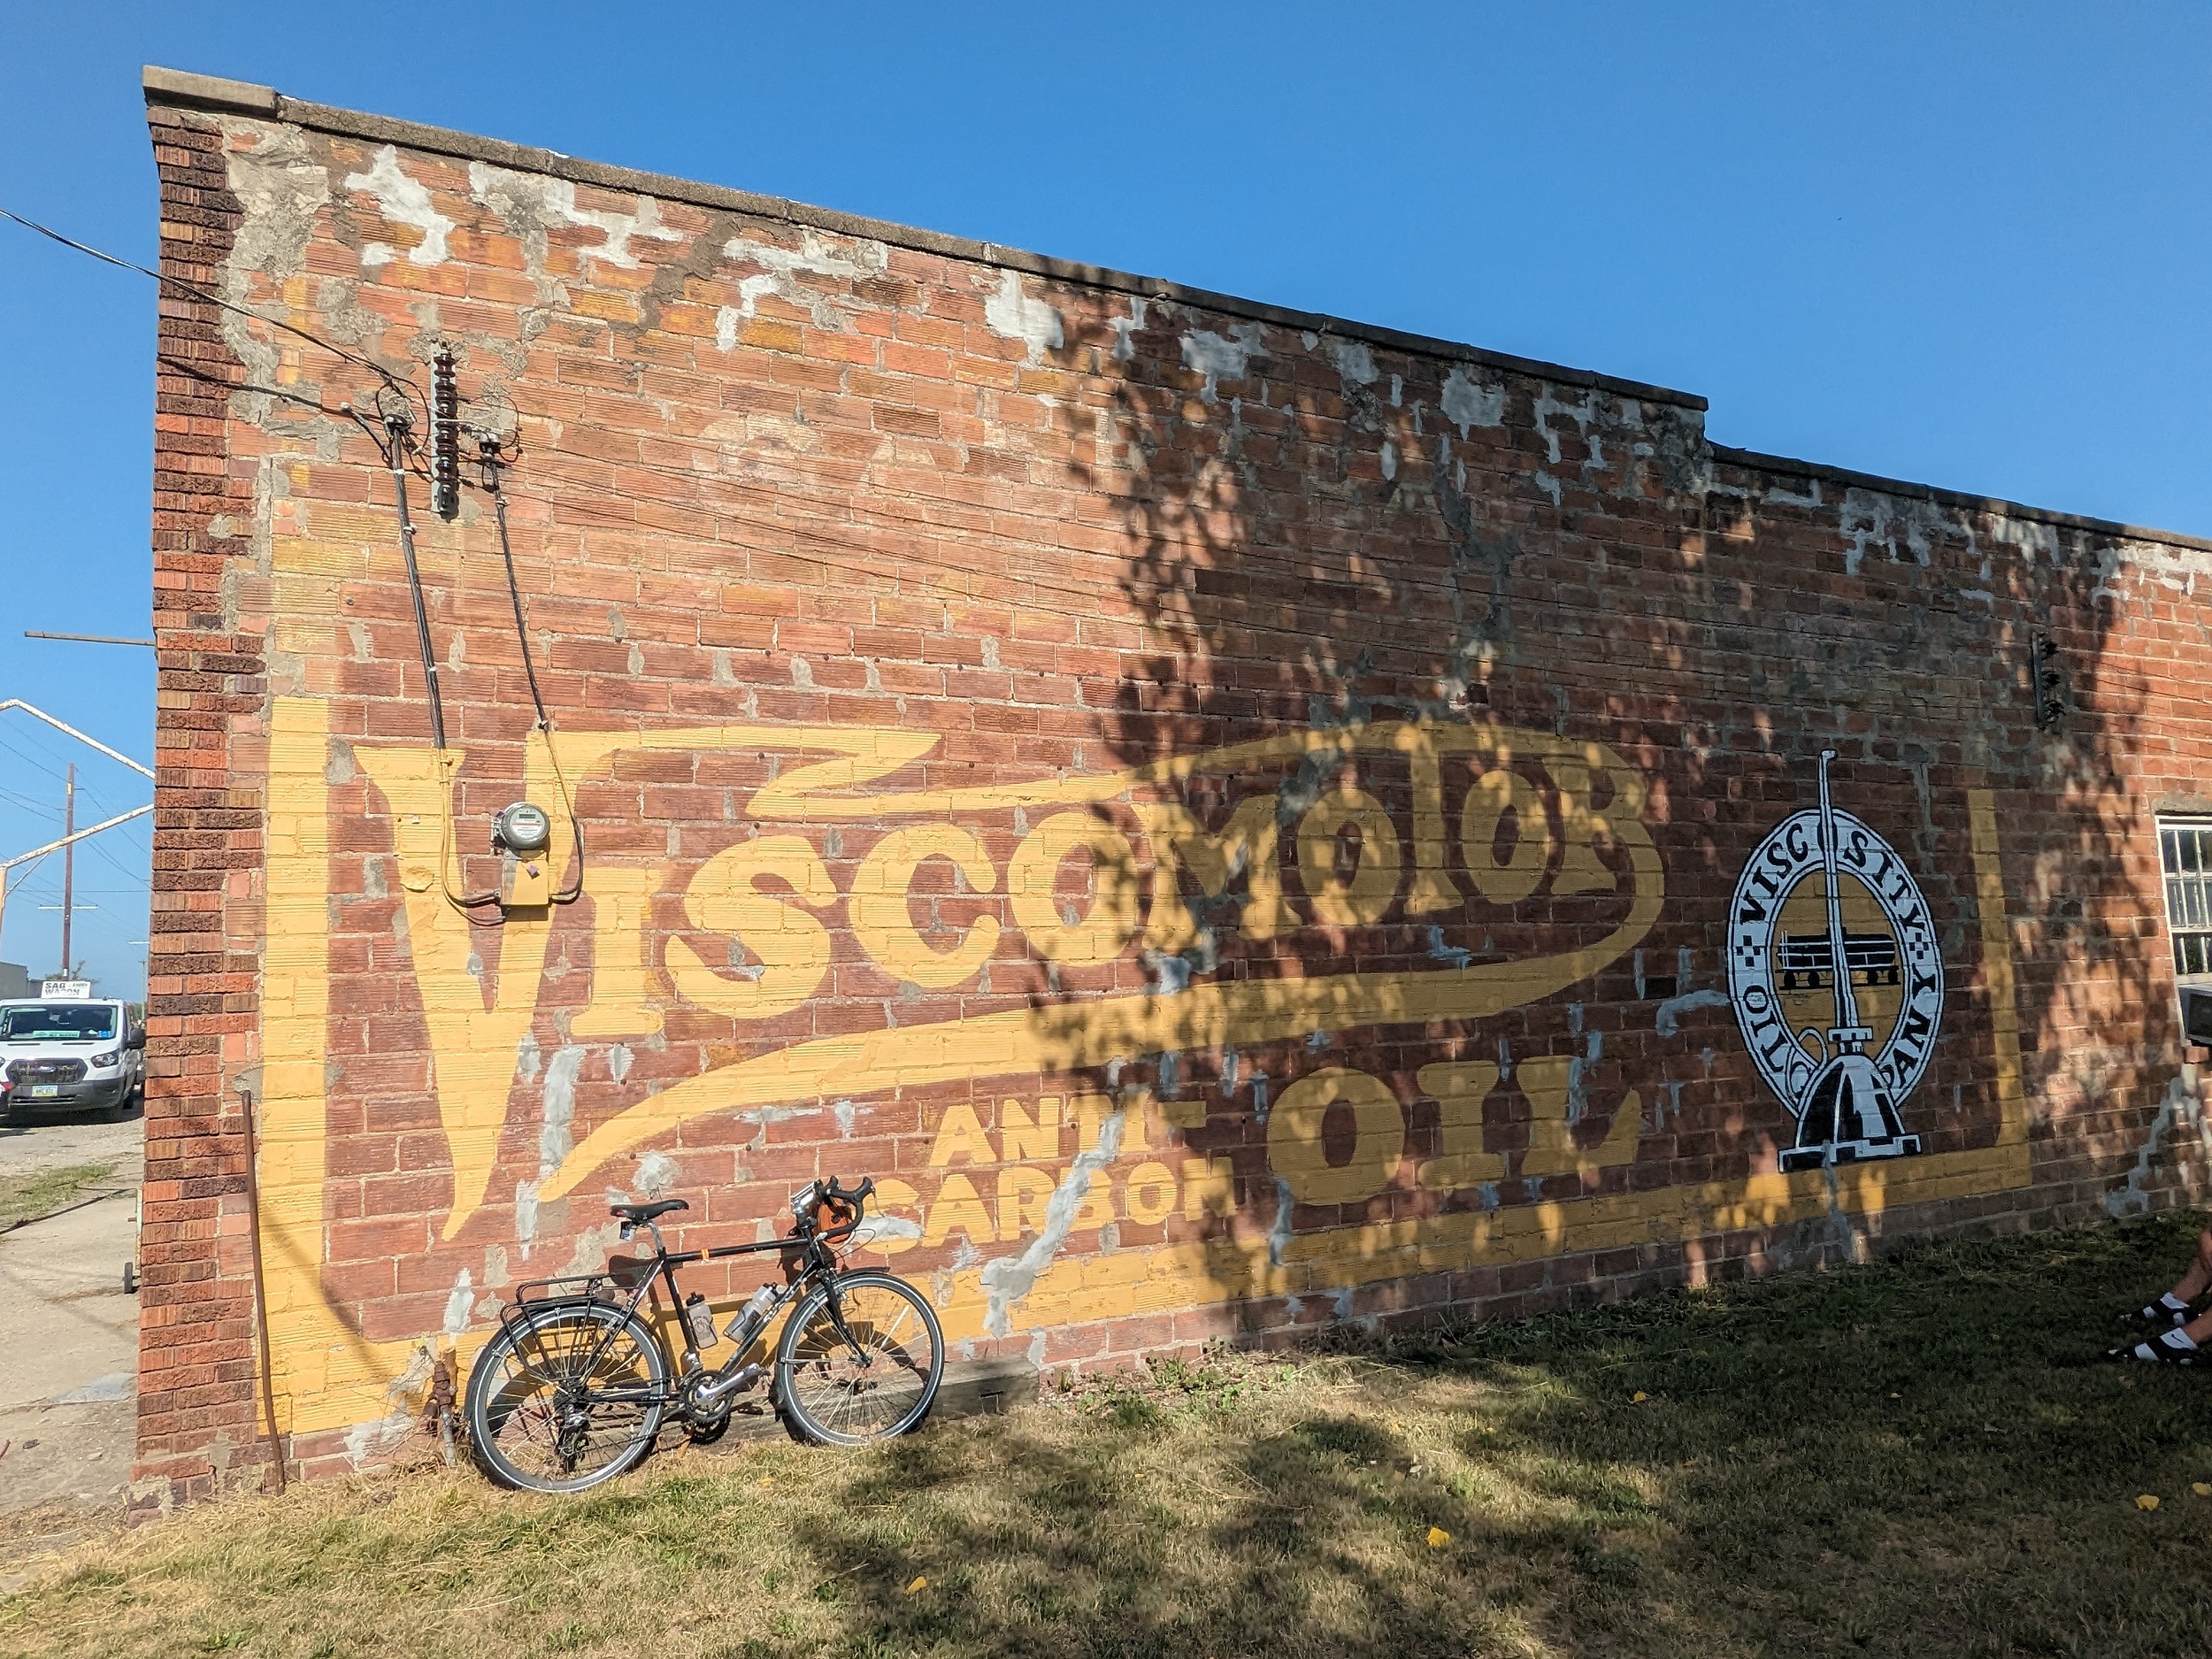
576	1386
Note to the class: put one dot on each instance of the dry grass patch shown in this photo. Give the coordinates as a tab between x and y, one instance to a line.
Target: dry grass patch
1901	1459
41	1192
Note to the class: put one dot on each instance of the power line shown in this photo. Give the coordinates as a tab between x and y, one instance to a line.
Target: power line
204	296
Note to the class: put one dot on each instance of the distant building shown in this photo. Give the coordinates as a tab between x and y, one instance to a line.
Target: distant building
15	980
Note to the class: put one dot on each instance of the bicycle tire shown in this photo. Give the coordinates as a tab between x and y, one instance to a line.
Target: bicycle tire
561	1338
823	1396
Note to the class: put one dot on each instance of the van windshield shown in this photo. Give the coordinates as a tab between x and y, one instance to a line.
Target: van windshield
56	1022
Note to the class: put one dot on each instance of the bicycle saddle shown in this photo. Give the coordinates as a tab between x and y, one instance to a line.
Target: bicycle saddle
646	1212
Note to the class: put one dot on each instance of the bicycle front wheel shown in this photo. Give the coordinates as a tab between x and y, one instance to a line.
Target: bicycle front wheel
565	1398
860	1360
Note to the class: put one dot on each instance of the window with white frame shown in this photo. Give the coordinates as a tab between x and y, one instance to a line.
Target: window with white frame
2184	859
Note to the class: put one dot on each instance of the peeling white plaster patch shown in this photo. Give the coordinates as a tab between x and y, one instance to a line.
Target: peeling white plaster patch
1468	404
547	202
1872	520
1012	316
1390	460
656	1174
1670	1012
405	202
590	1254
1125	329
844	1111
1354	363
1222	357
779	274
379	1435
526	1215
619	1060
876	1228
1009	1279
2030	536
554	1139
457	1306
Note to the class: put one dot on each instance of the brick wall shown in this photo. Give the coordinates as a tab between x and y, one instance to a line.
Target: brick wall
1281	786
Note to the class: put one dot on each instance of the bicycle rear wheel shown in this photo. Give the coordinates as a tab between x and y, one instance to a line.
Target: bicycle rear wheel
879	1383
565	1398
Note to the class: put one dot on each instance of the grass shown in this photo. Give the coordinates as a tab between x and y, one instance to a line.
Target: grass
1906	1458
41	1192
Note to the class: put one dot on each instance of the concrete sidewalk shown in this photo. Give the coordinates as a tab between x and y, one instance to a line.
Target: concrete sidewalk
68	1343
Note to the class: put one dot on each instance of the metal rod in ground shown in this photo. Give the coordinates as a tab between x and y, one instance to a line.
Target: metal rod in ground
260	1288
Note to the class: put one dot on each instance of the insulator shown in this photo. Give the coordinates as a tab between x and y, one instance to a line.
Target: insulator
445	436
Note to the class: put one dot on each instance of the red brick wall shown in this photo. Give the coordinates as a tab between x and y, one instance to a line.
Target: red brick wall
195	1361
1001	529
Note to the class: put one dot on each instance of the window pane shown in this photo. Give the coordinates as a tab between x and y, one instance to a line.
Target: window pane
2169	850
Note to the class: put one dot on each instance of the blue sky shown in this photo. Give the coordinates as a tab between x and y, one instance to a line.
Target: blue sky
1961	245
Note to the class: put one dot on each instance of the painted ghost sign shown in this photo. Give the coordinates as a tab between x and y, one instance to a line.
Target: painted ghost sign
858	962
1837	981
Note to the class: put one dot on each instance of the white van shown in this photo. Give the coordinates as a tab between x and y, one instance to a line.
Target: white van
70	1054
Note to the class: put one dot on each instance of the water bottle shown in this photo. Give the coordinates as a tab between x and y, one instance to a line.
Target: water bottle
750	1317
701	1318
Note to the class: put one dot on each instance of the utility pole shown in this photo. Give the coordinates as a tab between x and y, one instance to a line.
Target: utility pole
68	865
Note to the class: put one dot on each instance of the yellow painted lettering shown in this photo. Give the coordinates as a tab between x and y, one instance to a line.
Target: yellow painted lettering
1294	1148
961	1135
1492	796
1360	900
1547	1081
883	918
1098	1202
1432	888
1460	1087
1585	829
621	967
1022	1194
1246	845
1208	1188
959	1209
1150	1197
793	945
1091	1113
1033	887
473	1049
1025	1138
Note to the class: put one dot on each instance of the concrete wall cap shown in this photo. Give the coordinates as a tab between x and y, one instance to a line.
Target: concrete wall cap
1786	466
206	92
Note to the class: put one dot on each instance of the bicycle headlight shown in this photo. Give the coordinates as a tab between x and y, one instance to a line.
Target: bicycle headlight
803	1200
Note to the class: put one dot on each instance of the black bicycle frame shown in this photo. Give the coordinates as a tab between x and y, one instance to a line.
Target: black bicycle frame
811	1244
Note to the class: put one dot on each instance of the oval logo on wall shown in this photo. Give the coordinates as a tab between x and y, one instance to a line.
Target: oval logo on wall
1837	981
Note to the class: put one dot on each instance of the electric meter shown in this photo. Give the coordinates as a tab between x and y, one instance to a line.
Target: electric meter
522	829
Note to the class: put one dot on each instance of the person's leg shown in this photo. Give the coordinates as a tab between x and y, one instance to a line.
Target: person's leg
2173	1307
2179	1342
